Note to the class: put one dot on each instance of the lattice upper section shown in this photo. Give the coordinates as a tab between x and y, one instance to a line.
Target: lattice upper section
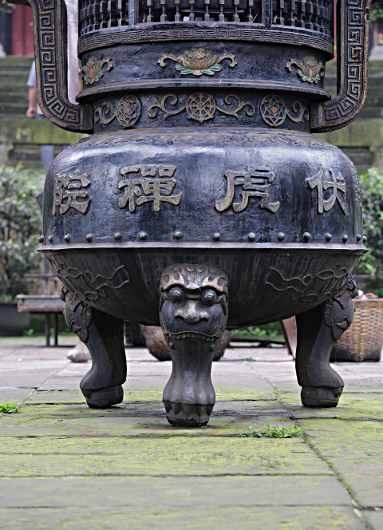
312	15
315	15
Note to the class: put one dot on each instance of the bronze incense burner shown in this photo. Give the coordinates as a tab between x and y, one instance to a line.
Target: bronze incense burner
201	201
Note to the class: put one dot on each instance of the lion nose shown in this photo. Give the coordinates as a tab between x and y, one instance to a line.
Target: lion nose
191	313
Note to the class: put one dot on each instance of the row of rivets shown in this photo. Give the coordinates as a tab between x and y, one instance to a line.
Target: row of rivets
216	236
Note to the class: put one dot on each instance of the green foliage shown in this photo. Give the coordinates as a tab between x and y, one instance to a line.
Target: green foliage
9	408
273	431
20	224
372	188
5	7
255	332
376	12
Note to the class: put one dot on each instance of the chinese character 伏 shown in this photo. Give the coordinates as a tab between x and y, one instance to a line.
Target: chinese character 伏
68	189
255	183
333	182
155	184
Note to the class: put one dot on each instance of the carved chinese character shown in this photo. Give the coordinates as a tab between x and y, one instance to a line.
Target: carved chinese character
68	189
332	182
255	183
155	184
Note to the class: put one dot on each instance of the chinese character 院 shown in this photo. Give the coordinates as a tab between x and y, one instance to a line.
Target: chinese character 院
254	183
334	183
155	184
68	189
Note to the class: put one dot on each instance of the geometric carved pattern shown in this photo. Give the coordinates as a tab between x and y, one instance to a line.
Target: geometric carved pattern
51	74
353	55
127	35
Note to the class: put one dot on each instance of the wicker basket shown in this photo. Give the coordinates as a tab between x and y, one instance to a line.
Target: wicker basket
363	341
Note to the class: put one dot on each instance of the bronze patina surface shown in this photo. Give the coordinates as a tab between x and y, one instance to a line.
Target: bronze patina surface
203	201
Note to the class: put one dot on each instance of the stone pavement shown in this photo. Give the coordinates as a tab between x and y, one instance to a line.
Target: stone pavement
65	466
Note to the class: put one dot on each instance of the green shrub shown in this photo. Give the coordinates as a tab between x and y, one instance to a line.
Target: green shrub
372	188
267	331
20	224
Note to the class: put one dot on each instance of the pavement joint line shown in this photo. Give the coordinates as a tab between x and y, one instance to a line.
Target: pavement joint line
172	475
126	504
356	506
52	375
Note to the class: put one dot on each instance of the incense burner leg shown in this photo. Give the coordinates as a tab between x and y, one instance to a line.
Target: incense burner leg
318	331
193	317
103	335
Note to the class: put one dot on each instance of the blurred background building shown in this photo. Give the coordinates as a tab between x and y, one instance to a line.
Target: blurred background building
21	137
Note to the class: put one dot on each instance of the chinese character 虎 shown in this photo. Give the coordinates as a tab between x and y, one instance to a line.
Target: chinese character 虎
336	183
68	188
255	183
156	183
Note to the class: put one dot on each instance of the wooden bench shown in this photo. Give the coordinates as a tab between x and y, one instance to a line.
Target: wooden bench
49	302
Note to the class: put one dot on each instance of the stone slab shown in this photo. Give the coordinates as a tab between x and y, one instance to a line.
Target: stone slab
190	517
181	456
160	492
10	394
374	517
355	450
145	418
351	406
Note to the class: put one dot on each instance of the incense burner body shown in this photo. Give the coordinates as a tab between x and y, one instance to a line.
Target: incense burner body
248	202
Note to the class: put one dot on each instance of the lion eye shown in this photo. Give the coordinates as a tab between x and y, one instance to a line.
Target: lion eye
176	294
209	297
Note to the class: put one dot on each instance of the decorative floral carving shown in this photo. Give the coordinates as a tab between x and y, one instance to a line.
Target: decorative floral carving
273	111
92	71
356	183
308	69
88	286
339	309
309	288
104	114
201	106
198	62
128	112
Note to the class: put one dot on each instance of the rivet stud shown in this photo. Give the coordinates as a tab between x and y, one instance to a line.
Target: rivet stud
89	237
307	236
364	239
117	236
142	235
41	239
177	234
67	238
281	236
216	236
345	238
251	236
50	239
328	237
